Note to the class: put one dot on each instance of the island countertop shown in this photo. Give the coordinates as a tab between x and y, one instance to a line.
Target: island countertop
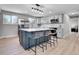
35	29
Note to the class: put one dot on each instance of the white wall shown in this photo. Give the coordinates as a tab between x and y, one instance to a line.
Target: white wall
9	29
69	23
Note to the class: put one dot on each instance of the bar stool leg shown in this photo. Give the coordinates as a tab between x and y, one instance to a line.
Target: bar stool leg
29	44
41	44
50	43
54	44
56	41
42	47
35	50
45	40
46	45
35	46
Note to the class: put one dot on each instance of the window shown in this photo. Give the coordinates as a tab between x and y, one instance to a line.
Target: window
14	20
9	19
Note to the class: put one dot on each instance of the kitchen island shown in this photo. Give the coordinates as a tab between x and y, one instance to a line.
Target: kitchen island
31	34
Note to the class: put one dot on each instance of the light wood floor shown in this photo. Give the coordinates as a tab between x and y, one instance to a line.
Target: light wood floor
66	46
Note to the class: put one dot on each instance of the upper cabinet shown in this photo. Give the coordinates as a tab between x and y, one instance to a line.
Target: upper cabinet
45	20
56	19
61	18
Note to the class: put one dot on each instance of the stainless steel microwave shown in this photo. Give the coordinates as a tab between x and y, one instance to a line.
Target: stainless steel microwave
54	21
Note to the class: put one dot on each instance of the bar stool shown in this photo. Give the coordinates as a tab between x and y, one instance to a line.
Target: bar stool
46	38
44	42
36	43
52	38
55	37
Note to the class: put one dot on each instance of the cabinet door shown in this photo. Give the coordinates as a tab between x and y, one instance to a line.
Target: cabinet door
60	32
45	20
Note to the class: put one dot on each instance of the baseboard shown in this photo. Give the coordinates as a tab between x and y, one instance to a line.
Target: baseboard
8	36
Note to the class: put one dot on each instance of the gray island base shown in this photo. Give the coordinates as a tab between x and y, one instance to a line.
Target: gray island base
27	37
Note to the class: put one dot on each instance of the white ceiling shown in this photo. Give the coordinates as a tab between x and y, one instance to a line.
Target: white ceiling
49	8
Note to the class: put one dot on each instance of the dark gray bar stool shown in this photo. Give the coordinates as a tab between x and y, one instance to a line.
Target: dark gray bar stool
52	38
37	42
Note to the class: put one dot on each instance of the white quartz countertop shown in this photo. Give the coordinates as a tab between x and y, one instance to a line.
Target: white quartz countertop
35	29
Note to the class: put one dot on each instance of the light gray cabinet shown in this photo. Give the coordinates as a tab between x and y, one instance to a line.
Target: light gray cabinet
60	33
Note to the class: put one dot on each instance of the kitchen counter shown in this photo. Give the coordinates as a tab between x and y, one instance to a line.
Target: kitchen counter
32	34
36	33
35	29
